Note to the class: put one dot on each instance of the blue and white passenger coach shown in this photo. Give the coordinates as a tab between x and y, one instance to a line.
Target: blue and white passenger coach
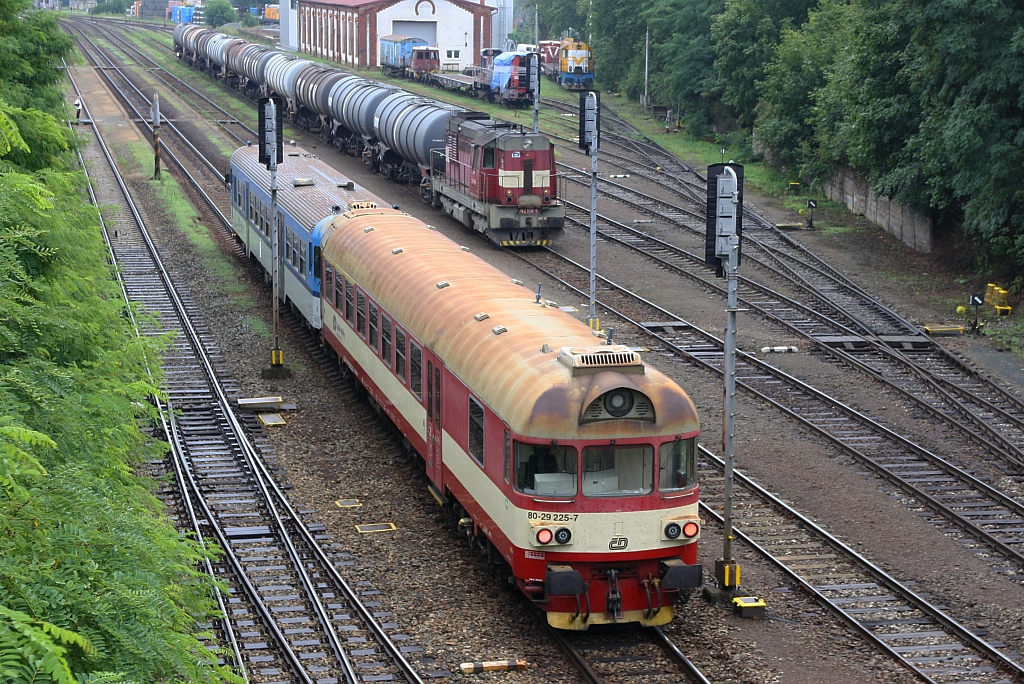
309	193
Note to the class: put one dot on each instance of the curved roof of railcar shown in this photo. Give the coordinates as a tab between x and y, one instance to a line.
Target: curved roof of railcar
532	391
308	204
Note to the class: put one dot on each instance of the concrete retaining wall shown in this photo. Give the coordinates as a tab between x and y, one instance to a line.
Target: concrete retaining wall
910	226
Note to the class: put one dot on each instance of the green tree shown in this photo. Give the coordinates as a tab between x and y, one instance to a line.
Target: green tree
220	12
798	70
31	48
745	37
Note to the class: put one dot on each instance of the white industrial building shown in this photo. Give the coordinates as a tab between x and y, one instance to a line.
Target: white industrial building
348	31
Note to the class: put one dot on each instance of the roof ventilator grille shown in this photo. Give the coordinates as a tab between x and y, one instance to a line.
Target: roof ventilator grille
585	360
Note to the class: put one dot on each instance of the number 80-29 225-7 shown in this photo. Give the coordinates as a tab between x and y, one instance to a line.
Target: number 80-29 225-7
552	517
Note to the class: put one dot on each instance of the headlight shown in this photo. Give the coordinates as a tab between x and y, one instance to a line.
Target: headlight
618	402
563	535
673	530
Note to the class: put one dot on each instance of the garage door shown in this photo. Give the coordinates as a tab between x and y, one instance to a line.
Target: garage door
427	30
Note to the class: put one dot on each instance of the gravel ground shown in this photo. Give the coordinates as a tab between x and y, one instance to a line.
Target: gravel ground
460	609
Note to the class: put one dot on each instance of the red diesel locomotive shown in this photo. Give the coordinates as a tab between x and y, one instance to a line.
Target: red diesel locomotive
573	460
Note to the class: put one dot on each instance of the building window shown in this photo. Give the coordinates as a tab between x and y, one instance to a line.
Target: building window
400	354
385	339
373	326
416	370
453	54
476	431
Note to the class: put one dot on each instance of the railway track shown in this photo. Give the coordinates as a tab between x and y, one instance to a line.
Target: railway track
291	617
955	500
912	365
626	653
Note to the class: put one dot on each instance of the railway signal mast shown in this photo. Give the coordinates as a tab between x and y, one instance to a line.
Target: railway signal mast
725	211
535	88
271	153
590	141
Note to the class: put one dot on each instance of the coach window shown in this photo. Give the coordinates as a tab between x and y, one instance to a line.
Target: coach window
400	354
301	245
508	458
373	327
545	469
476	431
385	339
437	398
677	465
316	262
618	470
430	391
349	307
339	293
328	287
416	370
361	313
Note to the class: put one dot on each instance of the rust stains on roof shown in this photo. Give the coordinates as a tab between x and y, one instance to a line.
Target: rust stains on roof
531	390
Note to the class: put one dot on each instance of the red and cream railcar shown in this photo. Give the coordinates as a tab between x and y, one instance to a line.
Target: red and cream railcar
574	461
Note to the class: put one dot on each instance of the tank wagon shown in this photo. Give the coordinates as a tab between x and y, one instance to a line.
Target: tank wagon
569	460
494	178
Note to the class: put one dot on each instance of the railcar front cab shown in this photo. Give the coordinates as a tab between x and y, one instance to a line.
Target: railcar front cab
614	521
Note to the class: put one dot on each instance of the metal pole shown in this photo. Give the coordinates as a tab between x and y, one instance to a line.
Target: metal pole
729	426
536	91
275	237
156	136
536	25
647	61
592	318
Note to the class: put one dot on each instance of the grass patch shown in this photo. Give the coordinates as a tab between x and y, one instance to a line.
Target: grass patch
258	326
226	277
1008	335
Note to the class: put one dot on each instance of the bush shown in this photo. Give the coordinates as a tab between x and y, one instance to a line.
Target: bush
220	12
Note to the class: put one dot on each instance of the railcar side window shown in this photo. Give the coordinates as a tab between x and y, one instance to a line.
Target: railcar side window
361	313
316	262
430	390
618	470
301	249
416	370
385	339
677	465
400	353
508	458
349	294
373	327
437	398
476	431
545	469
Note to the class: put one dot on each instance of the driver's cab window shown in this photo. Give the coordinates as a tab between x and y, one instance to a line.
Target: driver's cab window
488	157
545	469
677	465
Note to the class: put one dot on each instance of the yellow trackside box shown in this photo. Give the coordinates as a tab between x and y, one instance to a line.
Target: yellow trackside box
749	606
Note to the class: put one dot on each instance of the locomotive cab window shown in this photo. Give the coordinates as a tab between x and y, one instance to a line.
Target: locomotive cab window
618	470
545	469
476	431
488	157
677	465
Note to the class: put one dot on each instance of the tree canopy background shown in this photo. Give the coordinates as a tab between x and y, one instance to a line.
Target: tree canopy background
922	97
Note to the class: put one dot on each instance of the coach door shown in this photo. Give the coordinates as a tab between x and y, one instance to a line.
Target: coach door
434	465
